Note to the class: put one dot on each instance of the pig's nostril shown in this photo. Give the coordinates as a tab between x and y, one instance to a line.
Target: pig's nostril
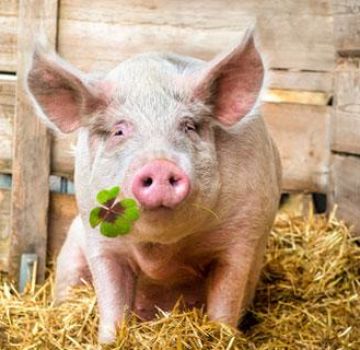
173	181
147	182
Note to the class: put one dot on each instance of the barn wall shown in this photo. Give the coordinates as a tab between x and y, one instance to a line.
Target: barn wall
344	184
296	37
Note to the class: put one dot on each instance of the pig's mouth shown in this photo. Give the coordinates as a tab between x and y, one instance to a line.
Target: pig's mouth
162	211
159	209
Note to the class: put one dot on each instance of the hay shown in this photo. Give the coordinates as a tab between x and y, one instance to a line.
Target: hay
308	299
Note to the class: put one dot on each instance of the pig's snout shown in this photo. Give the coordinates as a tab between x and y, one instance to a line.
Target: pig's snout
160	183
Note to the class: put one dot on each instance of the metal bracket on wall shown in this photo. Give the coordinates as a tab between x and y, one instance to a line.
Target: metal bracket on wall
28	267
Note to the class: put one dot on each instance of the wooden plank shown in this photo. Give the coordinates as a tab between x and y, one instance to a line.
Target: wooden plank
300	80
31	163
299	97
8	32
7	106
62	211
99	34
345	189
346	118
302	135
9	14
5	200
62	155
346	26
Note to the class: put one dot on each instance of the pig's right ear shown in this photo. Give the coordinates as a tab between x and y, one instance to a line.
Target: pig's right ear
231	83
63	93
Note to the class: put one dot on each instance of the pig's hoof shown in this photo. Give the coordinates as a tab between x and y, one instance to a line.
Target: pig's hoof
107	334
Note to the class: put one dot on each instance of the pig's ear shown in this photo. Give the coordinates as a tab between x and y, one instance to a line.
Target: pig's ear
62	93
231	84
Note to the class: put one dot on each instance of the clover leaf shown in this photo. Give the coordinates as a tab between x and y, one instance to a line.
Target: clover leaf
114	217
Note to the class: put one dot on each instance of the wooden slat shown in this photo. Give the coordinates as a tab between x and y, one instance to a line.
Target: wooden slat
8	32
7	106
346	26
346	118
301	80
31	163
62	155
345	189
98	34
120	11
62	211
302	135
5	203
298	97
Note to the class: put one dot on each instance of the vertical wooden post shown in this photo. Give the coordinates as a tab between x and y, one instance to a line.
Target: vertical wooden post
344	188
31	145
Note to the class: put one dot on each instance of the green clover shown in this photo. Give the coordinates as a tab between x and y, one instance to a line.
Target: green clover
115	217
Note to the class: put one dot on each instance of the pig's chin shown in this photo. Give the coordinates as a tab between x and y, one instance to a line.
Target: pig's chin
159	217
162	225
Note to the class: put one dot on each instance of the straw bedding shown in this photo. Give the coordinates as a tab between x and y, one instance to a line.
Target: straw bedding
308	299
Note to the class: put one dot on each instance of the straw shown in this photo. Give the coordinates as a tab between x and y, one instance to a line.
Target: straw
308	298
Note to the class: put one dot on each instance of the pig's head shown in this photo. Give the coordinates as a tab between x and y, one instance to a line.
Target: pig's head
150	126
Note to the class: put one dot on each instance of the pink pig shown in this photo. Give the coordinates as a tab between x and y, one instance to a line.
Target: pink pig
183	137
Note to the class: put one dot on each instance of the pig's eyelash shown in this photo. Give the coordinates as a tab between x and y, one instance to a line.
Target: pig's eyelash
98	128
190	125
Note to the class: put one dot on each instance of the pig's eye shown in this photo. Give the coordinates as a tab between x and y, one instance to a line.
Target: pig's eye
118	133
121	129
190	127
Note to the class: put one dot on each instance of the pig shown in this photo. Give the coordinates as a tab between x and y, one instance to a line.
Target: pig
185	139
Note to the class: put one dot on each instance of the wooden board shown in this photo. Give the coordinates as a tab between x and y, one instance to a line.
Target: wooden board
99	34
300	80
345	189
5	204
299	97
7	107
62	211
346	26
62	155
190	23
302	135
8	33
31	163
346	117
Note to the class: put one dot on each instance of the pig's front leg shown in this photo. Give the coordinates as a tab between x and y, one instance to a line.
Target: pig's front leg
114	283
232	284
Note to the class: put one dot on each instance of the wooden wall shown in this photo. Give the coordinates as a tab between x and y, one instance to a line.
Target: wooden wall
344	187
297	39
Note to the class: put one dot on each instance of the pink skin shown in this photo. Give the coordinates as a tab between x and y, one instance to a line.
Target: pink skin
160	184
191	128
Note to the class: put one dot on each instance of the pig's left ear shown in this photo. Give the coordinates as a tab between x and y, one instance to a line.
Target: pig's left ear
231	84
63	94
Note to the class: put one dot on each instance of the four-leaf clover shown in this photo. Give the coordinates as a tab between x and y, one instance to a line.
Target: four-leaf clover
115	217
